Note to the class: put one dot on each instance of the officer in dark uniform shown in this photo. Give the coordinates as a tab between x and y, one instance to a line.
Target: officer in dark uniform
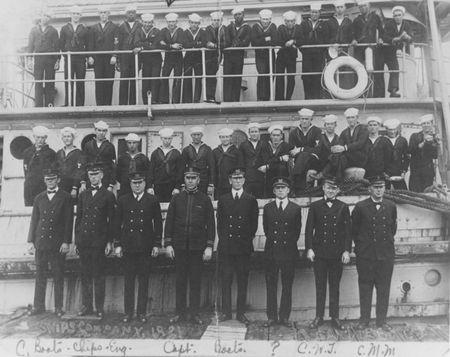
194	37
328	243
93	238
289	35
374	224
282	222
254	178
131	161
71	163
237	222
138	233
189	234
44	38
126	34
99	149
398	166
226	157
74	37
171	39
36	159
215	40
264	33
146	38
103	37
50	235
237	34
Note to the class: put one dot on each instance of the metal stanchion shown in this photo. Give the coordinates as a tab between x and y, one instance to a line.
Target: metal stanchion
69	79
136	75
272	93
203	75
403	72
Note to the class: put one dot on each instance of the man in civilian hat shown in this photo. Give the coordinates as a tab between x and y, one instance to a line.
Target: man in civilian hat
423	147
273	158
71	163
133	160
215	41
254	178
44	38
74	37
264	33
146	38
49	235
171	40
374	224
138	232
304	140
328	139
100	150
237	34
103	37
199	155
289	36
380	150
189	234
237	222
94	234
328	243
282	222
398	166
165	175
194	37
226	156
36	158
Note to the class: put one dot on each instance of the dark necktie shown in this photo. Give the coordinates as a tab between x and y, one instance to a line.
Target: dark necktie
51	191
329	200
280	207
236	197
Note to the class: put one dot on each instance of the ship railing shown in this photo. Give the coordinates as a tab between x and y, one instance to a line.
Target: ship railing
26	58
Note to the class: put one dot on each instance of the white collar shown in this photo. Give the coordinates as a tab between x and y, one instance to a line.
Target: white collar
194	34
225	148
50	195
239	192
284	200
376	202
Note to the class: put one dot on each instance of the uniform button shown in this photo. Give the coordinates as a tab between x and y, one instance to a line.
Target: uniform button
284	232
275	232
142	210
374	239
231	235
131	220
324	224
238	235
275	241
142	220
240	217
43	219
132	211
284	242
131	230
285	223
231	225
239	226
276	222
140	230
325	233
231	216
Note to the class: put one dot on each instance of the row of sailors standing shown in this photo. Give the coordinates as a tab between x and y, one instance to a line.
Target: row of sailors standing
137	35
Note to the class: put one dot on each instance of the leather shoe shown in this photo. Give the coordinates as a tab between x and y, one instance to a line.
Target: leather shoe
100	314
318	321
59	312
285	322
34	312
177	318
269	322
84	312
244	319
142	318
127	318
362	325
336	324
395	95
196	320
224	317
385	327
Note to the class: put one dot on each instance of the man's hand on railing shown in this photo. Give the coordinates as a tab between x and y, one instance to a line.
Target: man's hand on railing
151	191
137	50
268	38
91	61
177	46
113	60
289	43
380	41
209	44
354	43
263	169
30	248
56	65
175	191
117	66
155	252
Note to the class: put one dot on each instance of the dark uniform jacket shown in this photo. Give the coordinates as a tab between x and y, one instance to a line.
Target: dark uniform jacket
308	141
422	158
391	31
138	223
94	221
166	39
282	231
103	39
197	40
51	221
237	222
323	149
106	154
148	41
328	229
289	54
267	156
71	168
365	30
74	40
127	164
225	161
400	157
190	223
373	230
310	35
126	35
237	37
379	155
217	37
258	38
34	162
249	154
357	145
43	41
342	33
165	168
203	161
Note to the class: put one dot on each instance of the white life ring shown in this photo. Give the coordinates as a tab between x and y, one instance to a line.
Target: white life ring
332	86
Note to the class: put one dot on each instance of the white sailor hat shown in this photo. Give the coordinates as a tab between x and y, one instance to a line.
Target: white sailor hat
103	8
216	15
305	112
289	15
374	118
147	17
398	8
275	127
315	7
171	17
131	8
197	129
75	9
68	130
330	118
265	14
40	130
225	132
351	112
132	137
101	125
426	118
195	17
253	125
237	10
166	133
362	2
391	123
339	3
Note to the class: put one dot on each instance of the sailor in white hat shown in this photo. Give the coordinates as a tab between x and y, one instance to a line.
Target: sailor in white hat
328	140
380	149
40	131
215	34
398	165
237	10
340	28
